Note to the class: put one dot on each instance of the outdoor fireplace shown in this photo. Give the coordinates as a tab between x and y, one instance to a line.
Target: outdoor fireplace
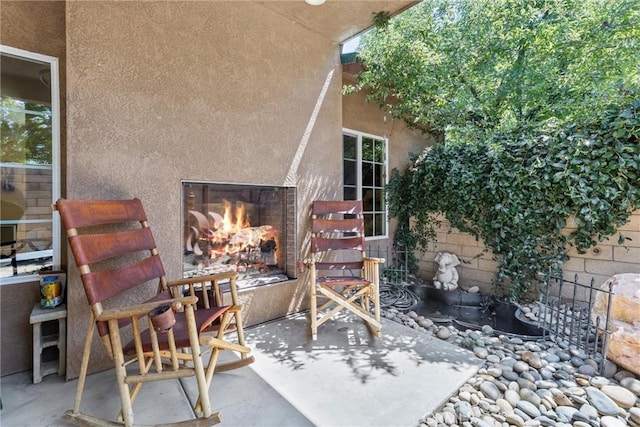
249	229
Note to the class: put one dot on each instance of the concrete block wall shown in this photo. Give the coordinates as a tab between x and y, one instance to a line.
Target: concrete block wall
605	259
478	268
38	185
34	185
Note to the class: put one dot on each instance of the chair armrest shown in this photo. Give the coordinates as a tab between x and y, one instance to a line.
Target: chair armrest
205	278
143	309
190	284
373	260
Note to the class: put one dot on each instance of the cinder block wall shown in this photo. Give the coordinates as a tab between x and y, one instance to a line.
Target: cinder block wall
35	183
478	268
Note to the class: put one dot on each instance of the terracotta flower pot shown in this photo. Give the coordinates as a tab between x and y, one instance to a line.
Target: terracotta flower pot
162	318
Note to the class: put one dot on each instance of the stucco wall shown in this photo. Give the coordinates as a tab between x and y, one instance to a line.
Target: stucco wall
36	27
161	92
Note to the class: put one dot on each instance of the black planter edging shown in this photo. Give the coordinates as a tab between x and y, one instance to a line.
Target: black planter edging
471	311
504	309
456	297
533	328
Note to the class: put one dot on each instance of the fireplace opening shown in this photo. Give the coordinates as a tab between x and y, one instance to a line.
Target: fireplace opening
249	229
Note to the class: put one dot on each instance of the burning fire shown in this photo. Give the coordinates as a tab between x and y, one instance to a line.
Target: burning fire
228	225
229	234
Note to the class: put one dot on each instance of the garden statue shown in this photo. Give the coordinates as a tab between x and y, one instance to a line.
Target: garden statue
447	276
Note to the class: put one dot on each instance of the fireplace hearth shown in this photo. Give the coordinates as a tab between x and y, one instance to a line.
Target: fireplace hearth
249	229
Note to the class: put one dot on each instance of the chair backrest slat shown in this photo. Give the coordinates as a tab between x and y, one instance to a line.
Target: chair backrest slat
87	213
348	225
104	284
91	248
321	244
324	207
353	265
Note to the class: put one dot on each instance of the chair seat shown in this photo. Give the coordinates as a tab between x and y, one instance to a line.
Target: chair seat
204	318
342	281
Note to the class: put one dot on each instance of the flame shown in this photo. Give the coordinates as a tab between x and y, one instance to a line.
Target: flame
241	221
231	224
230	232
226	218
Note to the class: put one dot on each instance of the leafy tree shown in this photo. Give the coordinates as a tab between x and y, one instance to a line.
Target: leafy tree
25	132
538	102
507	65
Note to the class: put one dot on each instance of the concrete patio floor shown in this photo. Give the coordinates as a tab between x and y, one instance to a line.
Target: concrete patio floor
345	378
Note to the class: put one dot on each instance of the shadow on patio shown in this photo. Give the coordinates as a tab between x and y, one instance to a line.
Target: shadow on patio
345	378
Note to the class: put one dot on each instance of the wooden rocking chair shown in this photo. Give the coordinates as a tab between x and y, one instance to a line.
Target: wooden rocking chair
115	252
338	227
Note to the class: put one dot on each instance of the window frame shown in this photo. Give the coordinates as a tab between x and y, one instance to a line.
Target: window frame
359	135
56	177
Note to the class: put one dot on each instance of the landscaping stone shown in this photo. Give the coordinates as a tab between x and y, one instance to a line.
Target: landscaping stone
443	333
620	395
514	419
608	421
526	383
490	390
601	402
624	341
528	408
631	384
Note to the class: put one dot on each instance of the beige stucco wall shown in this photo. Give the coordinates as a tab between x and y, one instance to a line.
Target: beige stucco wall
171	91
164	91
36	27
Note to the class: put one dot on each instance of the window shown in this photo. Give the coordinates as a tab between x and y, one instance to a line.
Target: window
29	164
364	178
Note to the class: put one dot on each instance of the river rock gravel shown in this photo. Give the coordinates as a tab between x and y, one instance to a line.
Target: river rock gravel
541	382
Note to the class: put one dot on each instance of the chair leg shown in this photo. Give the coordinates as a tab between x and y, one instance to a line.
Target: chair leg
314	313
204	402
338	298
86	354
237	317
313	303
376	302
237	312
372	273
241	348
215	351
121	373
137	387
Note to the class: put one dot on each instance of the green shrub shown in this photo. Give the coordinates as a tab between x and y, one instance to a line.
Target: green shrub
518	192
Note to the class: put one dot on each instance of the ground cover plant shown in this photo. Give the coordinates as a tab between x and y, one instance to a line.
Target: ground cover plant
538	107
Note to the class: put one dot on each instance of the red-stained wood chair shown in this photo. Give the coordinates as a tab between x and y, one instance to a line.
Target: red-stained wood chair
340	271
116	255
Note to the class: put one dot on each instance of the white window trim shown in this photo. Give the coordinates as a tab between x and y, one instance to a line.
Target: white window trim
55	152
359	135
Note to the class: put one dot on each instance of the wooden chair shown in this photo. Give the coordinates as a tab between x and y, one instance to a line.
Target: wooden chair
338	227
116	254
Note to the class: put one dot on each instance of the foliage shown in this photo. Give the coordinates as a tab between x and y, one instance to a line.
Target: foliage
518	193
506	65
25	132
539	105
